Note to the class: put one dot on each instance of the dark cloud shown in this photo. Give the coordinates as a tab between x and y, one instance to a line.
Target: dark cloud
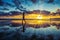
50	1
1	2
9	4
34	1
4	9
55	19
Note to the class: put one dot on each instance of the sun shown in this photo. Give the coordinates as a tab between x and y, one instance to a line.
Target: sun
39	17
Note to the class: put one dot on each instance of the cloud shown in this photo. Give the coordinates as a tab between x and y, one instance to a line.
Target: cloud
34	1
50	1
1	2
31	5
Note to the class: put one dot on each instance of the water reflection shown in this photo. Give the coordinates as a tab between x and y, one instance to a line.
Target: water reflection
31	23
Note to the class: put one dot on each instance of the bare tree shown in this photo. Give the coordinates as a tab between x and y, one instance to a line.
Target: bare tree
21	8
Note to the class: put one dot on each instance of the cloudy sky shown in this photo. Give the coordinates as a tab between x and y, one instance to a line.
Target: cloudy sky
49	5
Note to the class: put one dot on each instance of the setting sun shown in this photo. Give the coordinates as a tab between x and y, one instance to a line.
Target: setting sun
39	17
33	16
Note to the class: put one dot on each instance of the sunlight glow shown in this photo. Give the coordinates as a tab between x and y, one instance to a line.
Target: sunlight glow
39	17
35	18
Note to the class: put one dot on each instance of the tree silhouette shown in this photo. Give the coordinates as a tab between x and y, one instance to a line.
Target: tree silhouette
21	8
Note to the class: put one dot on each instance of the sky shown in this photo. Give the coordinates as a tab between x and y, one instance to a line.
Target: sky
30	5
